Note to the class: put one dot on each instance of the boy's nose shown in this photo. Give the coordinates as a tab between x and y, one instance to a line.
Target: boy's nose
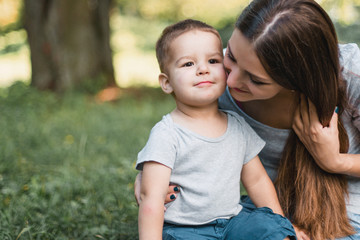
202	69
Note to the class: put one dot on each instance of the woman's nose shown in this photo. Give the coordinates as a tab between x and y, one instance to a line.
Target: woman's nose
235	78
230	81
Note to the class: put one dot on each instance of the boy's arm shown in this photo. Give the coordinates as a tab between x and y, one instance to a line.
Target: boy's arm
262	191
259	186
154	187
171	193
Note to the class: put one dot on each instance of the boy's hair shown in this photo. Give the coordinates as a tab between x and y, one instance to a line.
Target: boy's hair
173	31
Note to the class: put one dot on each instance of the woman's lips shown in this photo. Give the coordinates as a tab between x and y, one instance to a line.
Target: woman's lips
240	90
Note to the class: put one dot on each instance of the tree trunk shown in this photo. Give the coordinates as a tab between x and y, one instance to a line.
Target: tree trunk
69	43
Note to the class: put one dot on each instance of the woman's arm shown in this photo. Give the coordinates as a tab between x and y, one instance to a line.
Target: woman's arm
323	142
154	185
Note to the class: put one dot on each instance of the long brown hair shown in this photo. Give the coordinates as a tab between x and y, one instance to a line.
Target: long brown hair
296	43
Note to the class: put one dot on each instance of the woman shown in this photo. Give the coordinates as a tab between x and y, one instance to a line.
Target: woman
285	79
281	49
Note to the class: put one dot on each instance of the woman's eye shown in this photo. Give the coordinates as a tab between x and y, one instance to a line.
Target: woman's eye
231	57
256	82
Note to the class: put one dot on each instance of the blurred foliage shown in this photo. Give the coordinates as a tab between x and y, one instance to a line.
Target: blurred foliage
348	33
13	41
219	14
213	12
92	85
161	13
346	12
145	13
67	162
131	33
10	17
12	34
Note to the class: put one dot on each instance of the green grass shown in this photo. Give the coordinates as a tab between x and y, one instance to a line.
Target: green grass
67	162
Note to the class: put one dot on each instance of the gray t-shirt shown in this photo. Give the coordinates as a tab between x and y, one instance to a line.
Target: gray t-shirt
276	138
204	168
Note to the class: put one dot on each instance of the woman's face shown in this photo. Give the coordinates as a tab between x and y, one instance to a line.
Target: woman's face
247	79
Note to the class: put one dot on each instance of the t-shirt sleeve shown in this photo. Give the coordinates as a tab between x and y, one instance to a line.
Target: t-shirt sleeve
254	144
160	147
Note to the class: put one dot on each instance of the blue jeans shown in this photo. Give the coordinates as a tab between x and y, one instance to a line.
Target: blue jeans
249	224
354	219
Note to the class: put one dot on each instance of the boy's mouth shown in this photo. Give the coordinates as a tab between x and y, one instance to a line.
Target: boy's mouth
203	83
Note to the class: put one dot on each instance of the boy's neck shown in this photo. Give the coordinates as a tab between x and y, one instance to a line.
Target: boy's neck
196	112
206	121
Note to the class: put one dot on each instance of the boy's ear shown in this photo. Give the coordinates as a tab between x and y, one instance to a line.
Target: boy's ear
165	83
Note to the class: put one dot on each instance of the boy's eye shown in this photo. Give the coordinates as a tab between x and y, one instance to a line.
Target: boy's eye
188	64
212	61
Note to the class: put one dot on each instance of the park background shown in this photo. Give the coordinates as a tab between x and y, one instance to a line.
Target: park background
78	97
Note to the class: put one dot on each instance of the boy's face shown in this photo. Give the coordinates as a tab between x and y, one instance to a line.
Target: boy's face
195	71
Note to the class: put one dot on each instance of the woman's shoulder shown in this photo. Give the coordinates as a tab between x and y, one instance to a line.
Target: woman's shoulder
348	49
350	61
350	57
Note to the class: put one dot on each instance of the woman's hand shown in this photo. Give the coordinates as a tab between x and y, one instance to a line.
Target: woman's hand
300	234
321	142
171	196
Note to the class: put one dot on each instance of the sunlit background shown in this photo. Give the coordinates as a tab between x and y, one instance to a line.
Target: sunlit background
135	25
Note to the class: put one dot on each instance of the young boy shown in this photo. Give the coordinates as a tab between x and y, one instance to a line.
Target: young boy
203	150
